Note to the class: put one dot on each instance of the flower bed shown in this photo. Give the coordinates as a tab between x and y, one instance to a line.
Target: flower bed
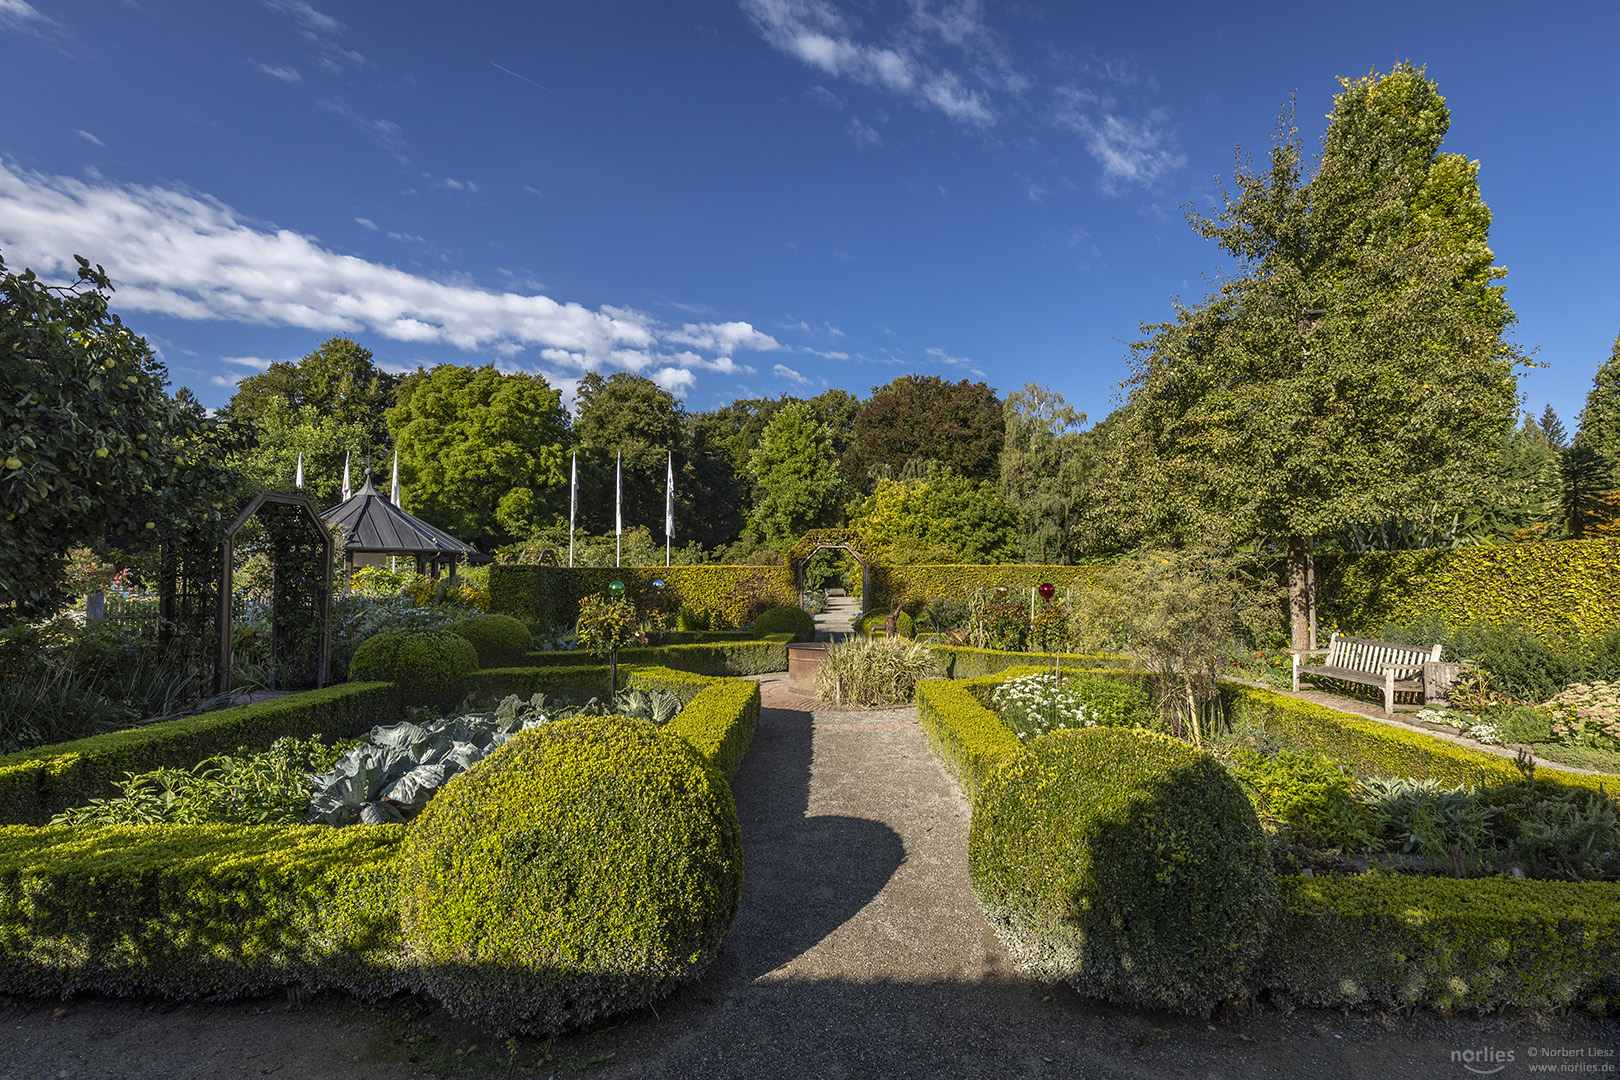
1345	939
221	910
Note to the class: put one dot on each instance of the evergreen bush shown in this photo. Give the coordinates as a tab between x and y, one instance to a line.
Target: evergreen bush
1127	864
787	620
501	640
587	867
429	666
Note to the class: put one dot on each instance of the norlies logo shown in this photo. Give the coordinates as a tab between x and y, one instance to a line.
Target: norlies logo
1484	1061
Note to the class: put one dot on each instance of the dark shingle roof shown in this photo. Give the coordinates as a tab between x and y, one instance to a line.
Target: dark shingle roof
373	524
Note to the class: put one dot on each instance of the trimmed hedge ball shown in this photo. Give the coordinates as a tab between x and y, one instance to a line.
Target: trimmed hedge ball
587	867
1126	863
501	640
787	620
431	666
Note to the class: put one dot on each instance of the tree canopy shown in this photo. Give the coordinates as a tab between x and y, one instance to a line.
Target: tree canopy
481	453
925	418
339	380
797	483
632	415
941	517
95	453
1042	466
1599	424
1356	366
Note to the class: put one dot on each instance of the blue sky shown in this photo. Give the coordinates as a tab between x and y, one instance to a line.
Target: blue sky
742	199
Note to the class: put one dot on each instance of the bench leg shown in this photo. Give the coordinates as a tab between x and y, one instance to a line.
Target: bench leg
1389	693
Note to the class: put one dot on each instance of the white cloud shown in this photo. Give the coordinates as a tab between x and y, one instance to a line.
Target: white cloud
227	381
723	338
18	15
817	33
254	362
285	74
826	355
366	223
864	134
782	371
1136	151
676	380
306	17
190	257
85	135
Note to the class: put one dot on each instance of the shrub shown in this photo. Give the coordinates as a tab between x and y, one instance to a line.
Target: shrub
787	620
38	783
428	665
971	740
588	867
869	672
1567	834
877	622
191	911
1126	863
501	640
1377	941
357	619
1314	795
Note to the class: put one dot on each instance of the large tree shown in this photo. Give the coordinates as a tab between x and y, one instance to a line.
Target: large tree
938	517
1042	464
1599	424
633	416
923	417
284	434
92	450
481	453
1355	367
339	380
796	480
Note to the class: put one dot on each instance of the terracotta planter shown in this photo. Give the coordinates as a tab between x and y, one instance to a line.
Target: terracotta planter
804	660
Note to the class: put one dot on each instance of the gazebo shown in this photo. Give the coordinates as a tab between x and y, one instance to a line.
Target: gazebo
376	530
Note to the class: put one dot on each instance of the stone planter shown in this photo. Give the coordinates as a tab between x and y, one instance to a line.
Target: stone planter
804	660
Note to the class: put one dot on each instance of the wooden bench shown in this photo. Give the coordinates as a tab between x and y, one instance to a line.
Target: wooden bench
1382	664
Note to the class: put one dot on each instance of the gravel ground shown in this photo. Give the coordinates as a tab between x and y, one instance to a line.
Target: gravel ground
859	951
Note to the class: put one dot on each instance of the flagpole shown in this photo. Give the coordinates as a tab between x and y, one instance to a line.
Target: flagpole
618	508
669	507
573	504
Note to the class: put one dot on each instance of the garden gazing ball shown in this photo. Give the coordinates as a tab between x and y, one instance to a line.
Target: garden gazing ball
616	589
1046	590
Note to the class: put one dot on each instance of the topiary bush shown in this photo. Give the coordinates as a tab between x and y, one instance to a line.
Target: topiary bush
1127	864
585	868
429	666
501	640
787	620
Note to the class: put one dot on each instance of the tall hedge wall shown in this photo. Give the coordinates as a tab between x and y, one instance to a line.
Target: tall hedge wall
912	587
728	595
1557	591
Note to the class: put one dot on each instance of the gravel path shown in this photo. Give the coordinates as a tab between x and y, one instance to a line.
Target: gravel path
859	952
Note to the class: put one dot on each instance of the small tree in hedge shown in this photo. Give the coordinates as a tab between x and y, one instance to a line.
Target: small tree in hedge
1181	614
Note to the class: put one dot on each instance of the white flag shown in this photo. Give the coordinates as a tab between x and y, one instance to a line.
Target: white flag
669	500
573	503
298	478
345	476
618	495
393	494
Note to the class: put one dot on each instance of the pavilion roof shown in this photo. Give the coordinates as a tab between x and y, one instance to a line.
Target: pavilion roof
372	524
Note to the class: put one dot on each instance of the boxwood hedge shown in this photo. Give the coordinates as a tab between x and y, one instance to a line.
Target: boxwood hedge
587	867
1127	864
190	911
724	596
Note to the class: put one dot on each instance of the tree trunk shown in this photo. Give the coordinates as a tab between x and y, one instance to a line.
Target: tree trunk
1299	593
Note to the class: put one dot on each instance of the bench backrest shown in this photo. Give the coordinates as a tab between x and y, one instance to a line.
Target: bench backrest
1362	654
